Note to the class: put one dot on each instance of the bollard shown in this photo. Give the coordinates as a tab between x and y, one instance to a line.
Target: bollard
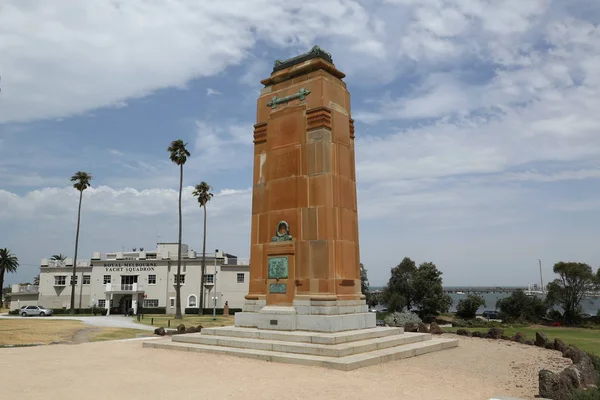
152	322
168	323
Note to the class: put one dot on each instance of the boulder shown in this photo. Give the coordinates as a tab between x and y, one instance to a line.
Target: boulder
160	331
435	329
579	376
520	337
411	327
463	332
529	342
495	333
199	328
423	328
191	329
560	345
477	334
505	337
541	339
550	345
181	328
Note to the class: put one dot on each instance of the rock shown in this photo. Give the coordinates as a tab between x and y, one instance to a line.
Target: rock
199	328
411	327
505	337
191	329
495	333
181	328
435	329
581	375
541	339
520	337
423	328
548	382
559	345
463	332
529	342
477	334
160	331
550	345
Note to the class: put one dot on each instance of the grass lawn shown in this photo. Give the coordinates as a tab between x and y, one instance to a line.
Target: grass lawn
188	320
29	331
117	334
585	339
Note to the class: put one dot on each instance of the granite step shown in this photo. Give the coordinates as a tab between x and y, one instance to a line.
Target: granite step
346	363
335	350
303	336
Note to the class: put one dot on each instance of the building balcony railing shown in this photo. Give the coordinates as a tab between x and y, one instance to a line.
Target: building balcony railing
25	289
123	287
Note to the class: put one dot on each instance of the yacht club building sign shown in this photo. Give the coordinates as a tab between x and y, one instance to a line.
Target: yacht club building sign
129	267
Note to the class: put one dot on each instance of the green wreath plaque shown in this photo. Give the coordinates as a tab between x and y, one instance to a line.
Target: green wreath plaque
278	267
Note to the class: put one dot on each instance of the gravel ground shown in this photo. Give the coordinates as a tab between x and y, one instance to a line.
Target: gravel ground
477	369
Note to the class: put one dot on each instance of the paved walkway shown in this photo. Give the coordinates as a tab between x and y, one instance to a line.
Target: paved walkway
107	321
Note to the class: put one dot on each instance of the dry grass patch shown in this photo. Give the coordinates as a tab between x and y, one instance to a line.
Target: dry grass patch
32	331
117	334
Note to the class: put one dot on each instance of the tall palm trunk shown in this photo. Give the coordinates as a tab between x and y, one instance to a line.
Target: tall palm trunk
178	287
75	257
201	309
1	284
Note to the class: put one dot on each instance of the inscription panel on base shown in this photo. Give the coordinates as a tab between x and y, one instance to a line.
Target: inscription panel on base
277	288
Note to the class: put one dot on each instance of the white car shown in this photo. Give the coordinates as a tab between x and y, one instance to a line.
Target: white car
35	310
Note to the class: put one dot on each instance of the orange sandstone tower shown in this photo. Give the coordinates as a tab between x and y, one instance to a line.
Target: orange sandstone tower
304	259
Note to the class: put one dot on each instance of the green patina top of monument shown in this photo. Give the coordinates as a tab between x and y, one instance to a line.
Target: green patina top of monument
315	52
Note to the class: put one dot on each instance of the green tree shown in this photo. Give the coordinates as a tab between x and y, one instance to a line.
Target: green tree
429	296
399	292
364	282
36	280
575	281
8	263
82	182
520	307
467	308
202	192
178	154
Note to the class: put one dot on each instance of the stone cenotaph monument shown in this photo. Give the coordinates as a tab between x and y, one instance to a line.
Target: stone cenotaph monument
304	258
304	304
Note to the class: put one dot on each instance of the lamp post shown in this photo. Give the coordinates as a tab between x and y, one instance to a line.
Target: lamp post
215	294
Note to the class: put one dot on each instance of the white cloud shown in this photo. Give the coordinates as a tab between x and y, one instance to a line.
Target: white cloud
212	92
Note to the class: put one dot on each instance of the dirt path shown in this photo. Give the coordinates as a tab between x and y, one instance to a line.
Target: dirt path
478	369
83	335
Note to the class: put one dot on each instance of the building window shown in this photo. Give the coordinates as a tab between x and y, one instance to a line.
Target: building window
106	279
60	280
172	302
152	280
240	278
102	303
182	279
74	280
150	303
192	301
209	278
87	279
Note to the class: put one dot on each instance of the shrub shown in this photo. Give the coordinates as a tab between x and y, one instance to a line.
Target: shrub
209	311
590	394
520	307
475	323
467	308
402	318
13	312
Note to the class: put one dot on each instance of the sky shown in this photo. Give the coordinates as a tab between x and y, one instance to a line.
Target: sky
477	144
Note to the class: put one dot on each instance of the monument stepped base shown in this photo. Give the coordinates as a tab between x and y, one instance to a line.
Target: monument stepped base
344	351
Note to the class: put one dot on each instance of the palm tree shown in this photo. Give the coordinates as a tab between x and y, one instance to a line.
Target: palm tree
8	263
202	192
82	182
178	155
58	257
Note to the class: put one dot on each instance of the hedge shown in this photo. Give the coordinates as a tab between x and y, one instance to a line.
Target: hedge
209	311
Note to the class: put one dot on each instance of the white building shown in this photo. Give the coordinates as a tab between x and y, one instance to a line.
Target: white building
121	280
